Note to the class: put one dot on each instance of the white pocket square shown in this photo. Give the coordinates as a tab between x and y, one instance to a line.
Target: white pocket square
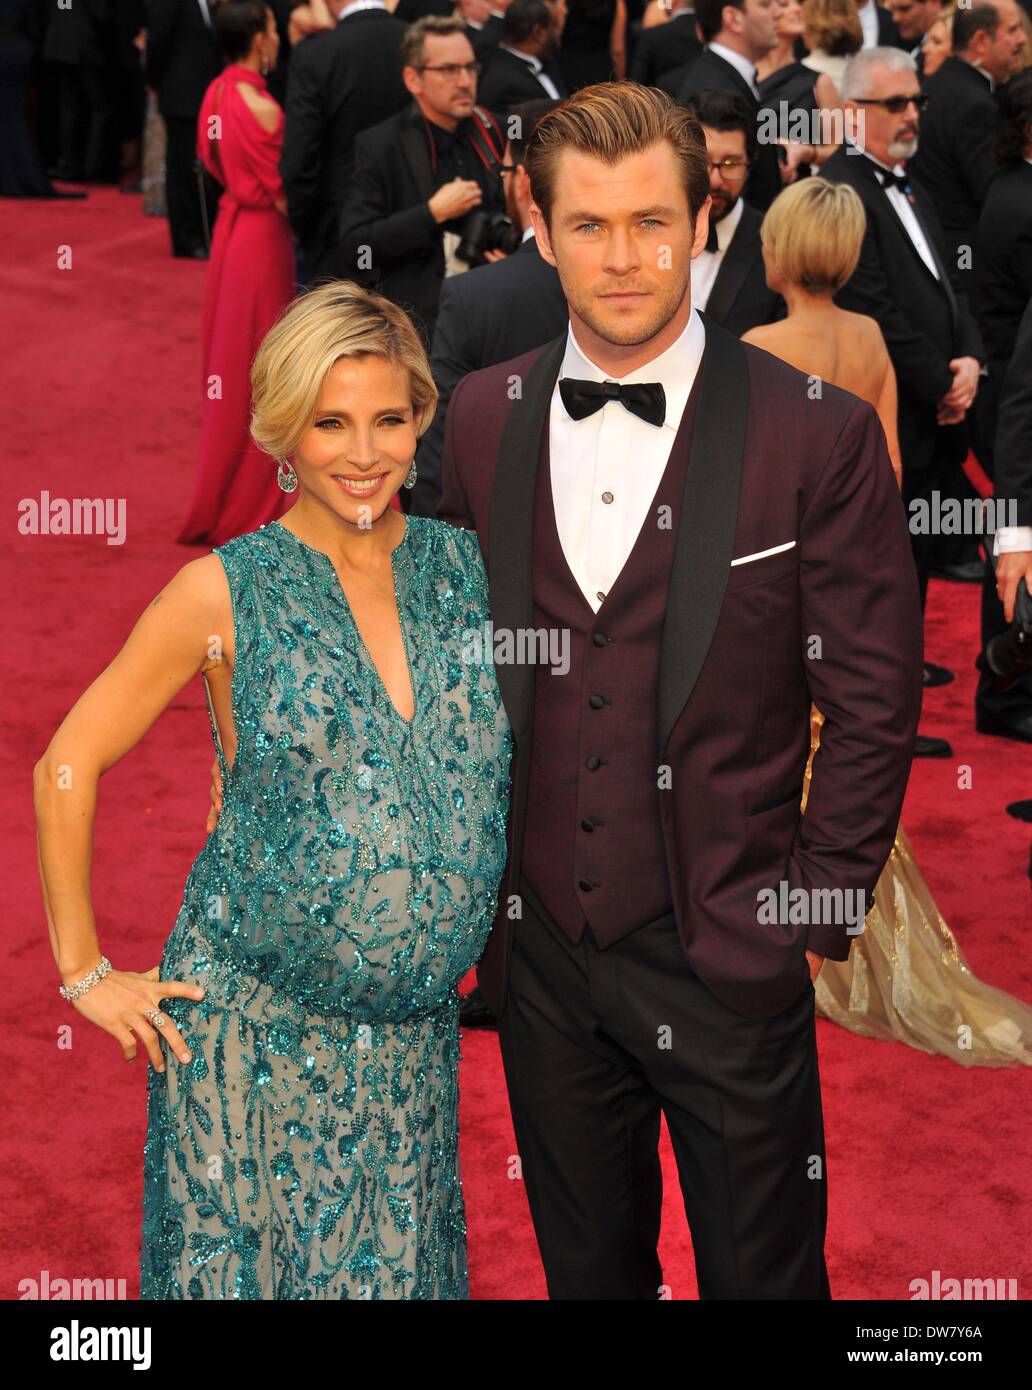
762	554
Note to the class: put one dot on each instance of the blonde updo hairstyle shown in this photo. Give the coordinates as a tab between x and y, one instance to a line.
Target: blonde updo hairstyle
813	232
317	329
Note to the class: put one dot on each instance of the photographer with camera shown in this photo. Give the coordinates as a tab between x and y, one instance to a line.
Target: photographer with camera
426	197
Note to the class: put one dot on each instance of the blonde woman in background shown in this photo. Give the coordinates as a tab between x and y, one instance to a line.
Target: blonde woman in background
906	977
938	43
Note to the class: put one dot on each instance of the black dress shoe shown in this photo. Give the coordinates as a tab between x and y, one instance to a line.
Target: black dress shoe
1019	729
936	675
473	1011
1020	810
925	747
968	572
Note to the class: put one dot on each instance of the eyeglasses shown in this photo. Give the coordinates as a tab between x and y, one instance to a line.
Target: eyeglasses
896	105
734	170
506	168
451	71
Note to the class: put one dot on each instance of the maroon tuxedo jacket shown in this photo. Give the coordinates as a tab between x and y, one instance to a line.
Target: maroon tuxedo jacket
791	581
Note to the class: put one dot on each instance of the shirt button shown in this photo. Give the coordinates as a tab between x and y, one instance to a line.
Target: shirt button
593	763
600	639
600	596
596	701
607	497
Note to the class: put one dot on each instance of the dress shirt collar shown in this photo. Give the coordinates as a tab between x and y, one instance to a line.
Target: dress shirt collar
737	61
528	232
675	368
981	71
354	5
727	226
535	63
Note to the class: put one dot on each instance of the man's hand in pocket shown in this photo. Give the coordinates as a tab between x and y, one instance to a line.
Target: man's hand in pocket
813	960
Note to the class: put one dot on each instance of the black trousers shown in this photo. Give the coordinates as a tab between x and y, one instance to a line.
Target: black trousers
596	1043
182	194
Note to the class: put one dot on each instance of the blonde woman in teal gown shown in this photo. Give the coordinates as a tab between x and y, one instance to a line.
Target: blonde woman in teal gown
302	1137
906	978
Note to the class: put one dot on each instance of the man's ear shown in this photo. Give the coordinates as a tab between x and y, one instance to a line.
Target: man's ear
541	233
702	219
412	80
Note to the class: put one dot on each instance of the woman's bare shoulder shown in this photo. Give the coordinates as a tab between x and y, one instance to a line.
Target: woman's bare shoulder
264	107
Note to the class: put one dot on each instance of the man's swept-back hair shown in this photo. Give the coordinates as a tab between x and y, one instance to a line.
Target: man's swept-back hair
413	41
857	77
609	121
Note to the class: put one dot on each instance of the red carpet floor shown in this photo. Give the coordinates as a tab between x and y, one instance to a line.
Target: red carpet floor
928	1162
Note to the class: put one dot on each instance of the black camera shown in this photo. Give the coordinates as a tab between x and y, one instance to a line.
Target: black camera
482	230
1009	656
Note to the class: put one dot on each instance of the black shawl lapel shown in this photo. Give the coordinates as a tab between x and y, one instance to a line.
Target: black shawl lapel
417	156
735	265
706	529
510	534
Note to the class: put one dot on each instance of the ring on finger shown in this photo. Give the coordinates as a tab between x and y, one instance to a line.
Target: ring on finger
155	1017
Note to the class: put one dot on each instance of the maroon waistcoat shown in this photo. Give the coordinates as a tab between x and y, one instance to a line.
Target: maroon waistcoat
593	842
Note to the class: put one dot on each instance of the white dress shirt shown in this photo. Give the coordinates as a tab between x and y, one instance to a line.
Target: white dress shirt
905	212
738	62
706	266
528	232
537	67
360	5
606	468
868	15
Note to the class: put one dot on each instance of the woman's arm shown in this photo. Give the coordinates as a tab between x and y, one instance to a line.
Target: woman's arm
187	628
618	40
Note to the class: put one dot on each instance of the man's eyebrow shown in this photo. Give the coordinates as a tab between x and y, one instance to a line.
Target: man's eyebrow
659	210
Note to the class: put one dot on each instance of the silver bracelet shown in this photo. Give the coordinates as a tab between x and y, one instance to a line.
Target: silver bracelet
72	992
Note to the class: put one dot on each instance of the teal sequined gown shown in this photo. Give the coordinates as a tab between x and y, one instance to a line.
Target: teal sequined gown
310	1148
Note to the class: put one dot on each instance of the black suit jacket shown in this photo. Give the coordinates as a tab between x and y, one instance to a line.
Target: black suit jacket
925	321
660	50
81	33
954	159
509	80
340	82
1003	264
485	316
1013	447
741	298
764	182
182	56
386	210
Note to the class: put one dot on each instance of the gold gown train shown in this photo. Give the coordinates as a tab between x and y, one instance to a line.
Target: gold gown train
907	978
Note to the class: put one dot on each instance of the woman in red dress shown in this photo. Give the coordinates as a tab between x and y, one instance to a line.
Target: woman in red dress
251	276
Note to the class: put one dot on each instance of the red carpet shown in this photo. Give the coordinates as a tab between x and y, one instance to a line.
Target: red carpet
929	1163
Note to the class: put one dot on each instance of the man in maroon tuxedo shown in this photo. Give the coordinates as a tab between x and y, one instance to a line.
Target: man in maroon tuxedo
716	541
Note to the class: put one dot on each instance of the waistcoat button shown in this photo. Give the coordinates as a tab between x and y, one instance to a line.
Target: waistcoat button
596	701
592	763
600	639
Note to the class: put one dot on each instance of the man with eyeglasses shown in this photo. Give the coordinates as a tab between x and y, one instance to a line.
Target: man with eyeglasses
419	174
907	280
340	82
913	19
728	280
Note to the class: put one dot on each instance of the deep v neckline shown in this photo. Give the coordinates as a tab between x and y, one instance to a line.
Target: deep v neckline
367	655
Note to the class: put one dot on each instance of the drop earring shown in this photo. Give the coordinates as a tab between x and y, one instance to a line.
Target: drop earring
410	481
286	477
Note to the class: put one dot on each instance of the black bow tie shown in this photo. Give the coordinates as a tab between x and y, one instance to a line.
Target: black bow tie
712	244
646	399
890	179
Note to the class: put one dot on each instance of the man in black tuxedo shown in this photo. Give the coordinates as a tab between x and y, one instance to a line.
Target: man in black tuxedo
666	47
340	82
736	35
182	59
420	173
523	67
907	280
728	280
954	161
491	313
